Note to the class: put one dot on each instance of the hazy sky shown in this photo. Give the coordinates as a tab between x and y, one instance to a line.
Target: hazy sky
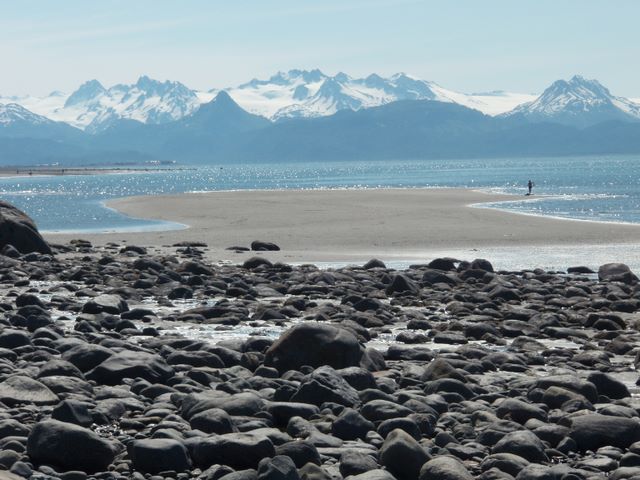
466	45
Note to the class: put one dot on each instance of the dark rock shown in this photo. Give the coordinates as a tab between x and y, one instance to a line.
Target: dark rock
129	364
350	425
522	443
277	468
325	385
402	284
214	420
113	304
237	450
402	455
506	462
300	451
481	264
73	411
19	389
374	263
616	272
154	455
314	344
260	246
608	386
444	468
255	262
19	230
86	356
593	431
355	463
69	447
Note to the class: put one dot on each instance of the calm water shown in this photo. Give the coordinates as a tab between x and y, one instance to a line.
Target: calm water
592	188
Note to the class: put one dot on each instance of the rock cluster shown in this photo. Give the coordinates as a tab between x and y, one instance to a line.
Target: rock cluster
128	362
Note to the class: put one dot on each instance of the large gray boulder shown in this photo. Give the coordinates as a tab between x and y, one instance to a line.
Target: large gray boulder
69	447
20	231
593	431
130	364
315	344
616	272
20	389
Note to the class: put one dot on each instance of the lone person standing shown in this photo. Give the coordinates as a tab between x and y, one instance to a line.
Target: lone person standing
530	186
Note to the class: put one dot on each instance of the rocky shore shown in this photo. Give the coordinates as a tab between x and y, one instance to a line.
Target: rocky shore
475	373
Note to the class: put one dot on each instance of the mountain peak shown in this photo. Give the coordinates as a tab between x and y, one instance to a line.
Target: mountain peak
87	91
577	102
13	113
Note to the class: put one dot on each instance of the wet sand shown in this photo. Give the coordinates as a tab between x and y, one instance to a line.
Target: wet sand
354	225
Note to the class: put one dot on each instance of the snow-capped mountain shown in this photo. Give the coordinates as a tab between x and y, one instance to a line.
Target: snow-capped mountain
18	122
12	113
312	93
93	107
302	93
577	102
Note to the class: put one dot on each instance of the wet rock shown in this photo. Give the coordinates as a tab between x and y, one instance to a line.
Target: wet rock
113	304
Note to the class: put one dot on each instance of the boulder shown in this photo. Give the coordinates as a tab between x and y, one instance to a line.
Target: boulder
353	462
444	468
593	431
20	389
112	304
130	364
314	344
350	425
260	246
523	443
236	450
154	455
402	455
213	420
69	447
616	272
277	468
325	385
20	231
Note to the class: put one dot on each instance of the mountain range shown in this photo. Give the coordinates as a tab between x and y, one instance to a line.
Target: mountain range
307	115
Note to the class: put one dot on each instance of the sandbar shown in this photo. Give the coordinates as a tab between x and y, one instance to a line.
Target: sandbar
353	225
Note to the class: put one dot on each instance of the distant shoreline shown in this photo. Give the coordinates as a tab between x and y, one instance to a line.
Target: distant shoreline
70	171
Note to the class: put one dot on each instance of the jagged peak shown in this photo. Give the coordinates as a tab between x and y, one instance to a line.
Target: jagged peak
85	92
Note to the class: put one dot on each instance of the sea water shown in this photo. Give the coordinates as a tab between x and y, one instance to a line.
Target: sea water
601	188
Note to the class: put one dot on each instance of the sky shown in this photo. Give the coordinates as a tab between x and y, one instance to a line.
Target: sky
465	45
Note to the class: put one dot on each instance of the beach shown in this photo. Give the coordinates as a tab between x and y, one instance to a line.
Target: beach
355	225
